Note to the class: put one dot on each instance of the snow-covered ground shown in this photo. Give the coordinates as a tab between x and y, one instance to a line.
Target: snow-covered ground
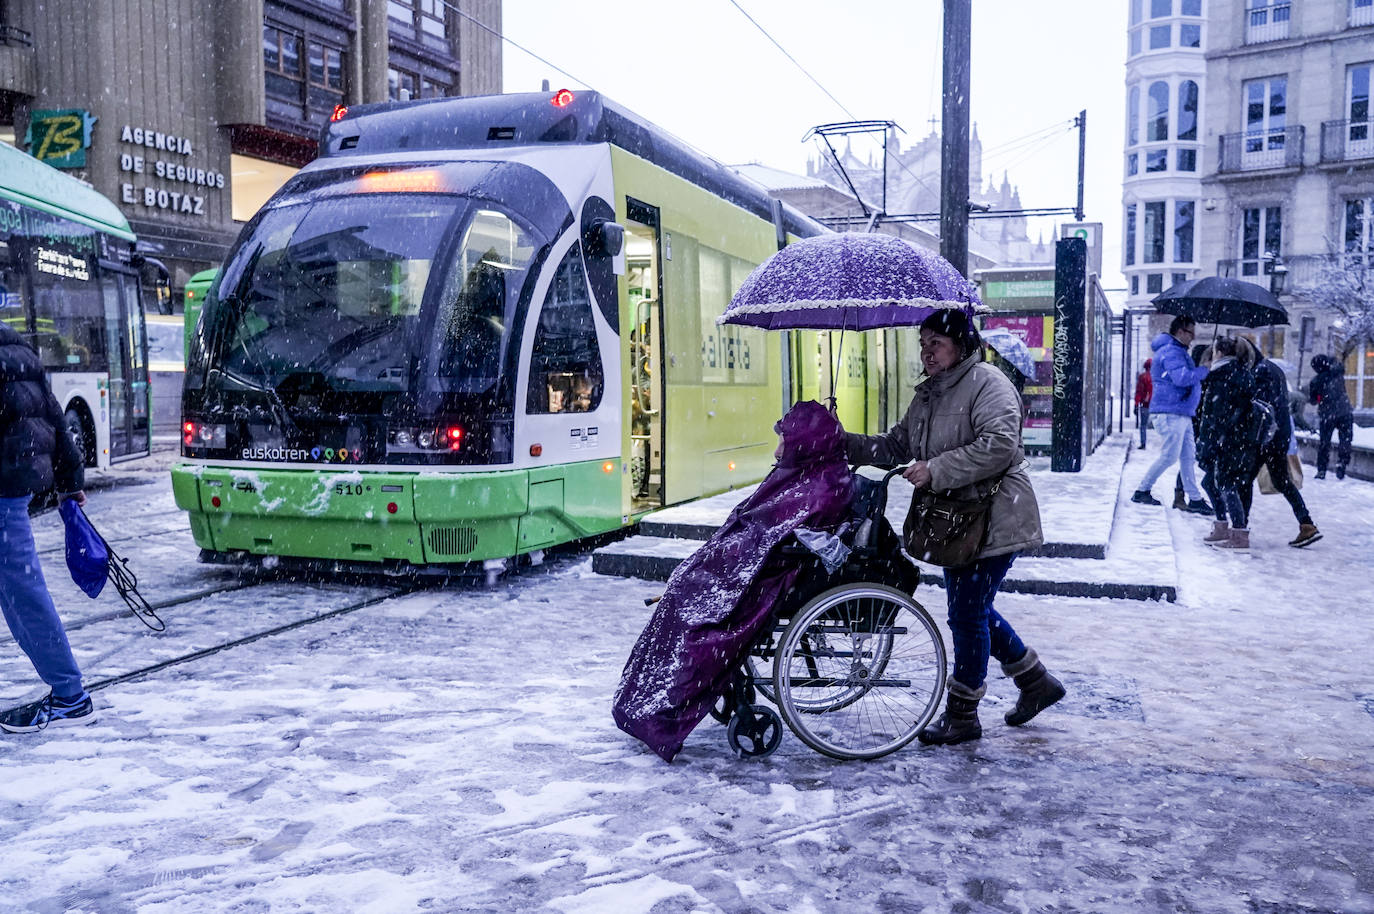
452	750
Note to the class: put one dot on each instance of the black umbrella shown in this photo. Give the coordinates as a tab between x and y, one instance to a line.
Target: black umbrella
1214	300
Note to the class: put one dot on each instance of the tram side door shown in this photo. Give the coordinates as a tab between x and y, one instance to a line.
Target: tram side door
126	342
643	268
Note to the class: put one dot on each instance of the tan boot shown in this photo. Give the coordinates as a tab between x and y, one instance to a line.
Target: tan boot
1307	535
1237	540
1220	531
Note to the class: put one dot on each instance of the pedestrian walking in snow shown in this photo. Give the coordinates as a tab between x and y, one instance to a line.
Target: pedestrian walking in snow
1177	389
1227	445
1334	414
36	454
1144	388
1271	386
963	430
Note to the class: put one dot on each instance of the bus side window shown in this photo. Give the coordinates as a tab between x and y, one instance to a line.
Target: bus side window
565	363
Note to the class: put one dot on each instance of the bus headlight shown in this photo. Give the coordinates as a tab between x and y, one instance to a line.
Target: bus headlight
204	434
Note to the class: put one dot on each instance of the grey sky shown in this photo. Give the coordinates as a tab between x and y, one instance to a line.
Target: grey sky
701	70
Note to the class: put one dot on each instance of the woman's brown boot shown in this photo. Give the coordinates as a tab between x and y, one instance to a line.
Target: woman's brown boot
959	723
1038	688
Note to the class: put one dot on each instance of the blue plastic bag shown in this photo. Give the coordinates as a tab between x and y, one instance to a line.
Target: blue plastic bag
87	558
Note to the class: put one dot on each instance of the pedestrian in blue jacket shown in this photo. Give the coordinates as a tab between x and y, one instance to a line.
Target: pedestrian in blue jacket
1177	391
36	454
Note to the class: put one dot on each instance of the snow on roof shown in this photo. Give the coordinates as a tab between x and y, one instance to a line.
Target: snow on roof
777	179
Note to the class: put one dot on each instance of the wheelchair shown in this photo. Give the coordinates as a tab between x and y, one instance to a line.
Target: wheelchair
853	664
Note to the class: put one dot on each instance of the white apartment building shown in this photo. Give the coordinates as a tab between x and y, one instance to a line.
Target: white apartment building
1284	158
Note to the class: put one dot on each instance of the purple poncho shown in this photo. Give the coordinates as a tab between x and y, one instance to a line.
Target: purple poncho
717	600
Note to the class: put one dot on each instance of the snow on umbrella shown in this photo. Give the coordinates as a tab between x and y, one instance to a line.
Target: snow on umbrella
848	281
1217	300
1012	348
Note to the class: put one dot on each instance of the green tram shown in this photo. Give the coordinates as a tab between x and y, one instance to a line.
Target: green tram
476	328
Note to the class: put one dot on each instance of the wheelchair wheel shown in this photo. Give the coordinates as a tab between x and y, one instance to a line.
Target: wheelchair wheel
859	671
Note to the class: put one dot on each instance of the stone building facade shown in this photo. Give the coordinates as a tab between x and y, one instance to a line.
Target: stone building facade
189	114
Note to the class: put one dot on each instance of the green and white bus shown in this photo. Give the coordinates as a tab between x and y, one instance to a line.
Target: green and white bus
476	328
69	283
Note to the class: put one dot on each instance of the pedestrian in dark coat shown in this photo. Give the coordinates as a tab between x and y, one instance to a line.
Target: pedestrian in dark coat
963	432
36	454
1144	388
1334	414
1226	445
1271	386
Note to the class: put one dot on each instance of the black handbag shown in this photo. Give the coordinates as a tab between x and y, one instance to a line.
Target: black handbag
946	531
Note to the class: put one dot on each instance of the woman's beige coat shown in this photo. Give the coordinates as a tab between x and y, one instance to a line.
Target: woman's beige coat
966	424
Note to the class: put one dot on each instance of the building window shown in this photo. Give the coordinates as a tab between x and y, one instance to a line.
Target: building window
1157	121
1136	6
1153	231
1266	111
1129	243
281	63
1157	160
1160	8
1359	233
1189	35
1187	160
1154	283
1176	278
1132	165
1135	285
1361	12
1159	36
1194	7
1359	375
1359	141
1261	232
326	76
1134	47
1183	231
420	20
430	88
1133	116
1187	110
401	85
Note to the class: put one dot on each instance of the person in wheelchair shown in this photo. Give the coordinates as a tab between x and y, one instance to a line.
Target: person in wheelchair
963	432
722	596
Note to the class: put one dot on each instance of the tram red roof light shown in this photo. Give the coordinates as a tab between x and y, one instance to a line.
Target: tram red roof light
562	98
339	113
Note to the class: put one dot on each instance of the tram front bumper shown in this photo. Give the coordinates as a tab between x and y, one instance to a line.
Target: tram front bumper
371	517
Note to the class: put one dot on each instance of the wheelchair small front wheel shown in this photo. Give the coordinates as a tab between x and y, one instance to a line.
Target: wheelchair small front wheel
754	731
859	671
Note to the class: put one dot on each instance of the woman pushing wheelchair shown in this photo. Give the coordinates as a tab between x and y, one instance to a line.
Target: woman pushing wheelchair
972	512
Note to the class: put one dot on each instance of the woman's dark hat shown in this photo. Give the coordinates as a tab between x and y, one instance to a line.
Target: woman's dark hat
955	324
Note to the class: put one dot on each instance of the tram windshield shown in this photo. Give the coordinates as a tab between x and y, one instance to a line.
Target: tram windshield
332	288
334	291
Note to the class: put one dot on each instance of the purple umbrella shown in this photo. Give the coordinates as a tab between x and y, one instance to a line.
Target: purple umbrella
848	281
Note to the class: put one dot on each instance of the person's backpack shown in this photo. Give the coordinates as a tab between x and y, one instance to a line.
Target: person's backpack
1263	424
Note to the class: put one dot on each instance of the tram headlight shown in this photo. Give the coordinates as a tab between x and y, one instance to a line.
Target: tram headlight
204	434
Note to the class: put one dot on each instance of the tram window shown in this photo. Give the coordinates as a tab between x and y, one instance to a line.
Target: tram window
12	310
478	298
565	361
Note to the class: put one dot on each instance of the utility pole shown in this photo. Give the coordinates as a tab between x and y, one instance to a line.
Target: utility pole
1081	122
954	134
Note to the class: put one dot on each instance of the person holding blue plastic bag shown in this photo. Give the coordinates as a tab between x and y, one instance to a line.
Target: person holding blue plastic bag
36	454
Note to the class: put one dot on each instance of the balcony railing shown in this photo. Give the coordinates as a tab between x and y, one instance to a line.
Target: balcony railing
1346	140
1361	14
1268	22
1261	150
1303	269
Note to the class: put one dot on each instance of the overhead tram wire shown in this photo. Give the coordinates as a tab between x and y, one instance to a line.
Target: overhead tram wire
482	25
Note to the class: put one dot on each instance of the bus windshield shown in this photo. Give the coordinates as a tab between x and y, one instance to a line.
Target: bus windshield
333	289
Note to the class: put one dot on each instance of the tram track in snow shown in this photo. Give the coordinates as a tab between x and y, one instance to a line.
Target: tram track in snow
210	651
